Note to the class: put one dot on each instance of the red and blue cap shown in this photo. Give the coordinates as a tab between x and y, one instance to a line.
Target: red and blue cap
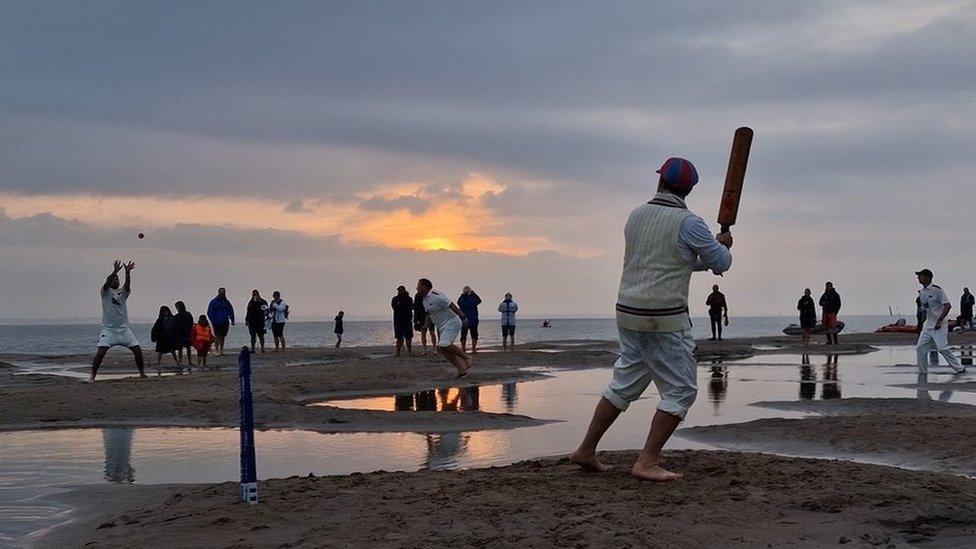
679	173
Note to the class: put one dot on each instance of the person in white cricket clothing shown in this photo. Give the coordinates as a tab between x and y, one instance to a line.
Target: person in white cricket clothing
449	320
935	331
664	244
115	319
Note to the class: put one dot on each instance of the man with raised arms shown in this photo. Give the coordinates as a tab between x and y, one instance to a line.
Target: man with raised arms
664	244
449	320
115	319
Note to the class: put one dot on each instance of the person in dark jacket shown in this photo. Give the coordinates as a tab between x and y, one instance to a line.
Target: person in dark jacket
257	310
966	309
717	309
420	322
164	335
830	304
808	315
184	327
339	328
403	308
468	302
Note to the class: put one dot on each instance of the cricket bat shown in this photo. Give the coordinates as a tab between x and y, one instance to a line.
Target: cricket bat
734	177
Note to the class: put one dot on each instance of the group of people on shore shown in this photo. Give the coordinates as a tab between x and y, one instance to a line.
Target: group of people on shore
830	304
412	314
172	334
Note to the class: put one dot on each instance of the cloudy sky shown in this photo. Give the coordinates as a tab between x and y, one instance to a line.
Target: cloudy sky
334	150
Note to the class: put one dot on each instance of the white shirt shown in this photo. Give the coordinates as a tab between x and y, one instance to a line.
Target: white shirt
114	312
933	298
438	308
277	311
697	243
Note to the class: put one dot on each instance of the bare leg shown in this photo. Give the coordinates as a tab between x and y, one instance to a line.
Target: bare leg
189	354
159	367
474	346
137	355
399	345
603	417
97	362
179	355
648	462
458	358
423	339
254	338
409	343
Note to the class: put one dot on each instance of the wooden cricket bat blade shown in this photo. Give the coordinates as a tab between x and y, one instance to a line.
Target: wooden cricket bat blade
734	177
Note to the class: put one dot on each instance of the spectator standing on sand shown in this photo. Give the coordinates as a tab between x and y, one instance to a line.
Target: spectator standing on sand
830	303
164	335
664	244
966	309
717	309
935	331
468	302
808	315
449	320
201	339
221	315
420	322
279	311
115	319
339	329
184	327
257	311
508	307
402	305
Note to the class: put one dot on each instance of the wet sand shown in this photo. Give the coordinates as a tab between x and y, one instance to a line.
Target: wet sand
920	434
727	499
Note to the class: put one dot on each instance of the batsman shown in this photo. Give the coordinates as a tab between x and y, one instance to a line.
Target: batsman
664	244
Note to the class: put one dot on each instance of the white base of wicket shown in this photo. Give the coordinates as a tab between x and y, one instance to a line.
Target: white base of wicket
249	492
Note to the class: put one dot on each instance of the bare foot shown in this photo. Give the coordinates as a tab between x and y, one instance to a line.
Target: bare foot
589	462
654	473
464	371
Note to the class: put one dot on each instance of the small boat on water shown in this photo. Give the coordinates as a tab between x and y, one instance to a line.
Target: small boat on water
795	329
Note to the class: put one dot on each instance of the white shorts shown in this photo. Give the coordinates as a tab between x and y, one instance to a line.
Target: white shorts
117	337
449	332
666	358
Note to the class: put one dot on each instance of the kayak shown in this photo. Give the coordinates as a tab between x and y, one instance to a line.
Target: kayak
795	329
897	329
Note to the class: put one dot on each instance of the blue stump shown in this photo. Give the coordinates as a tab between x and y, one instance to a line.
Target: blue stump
249	473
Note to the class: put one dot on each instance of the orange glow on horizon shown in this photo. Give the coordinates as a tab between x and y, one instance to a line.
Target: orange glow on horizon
455	221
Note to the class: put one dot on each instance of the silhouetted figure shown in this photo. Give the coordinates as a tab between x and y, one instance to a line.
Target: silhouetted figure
220	311
830	304
402	306
163	334
339	328
808	315
966	303
184	327
257	313
718	309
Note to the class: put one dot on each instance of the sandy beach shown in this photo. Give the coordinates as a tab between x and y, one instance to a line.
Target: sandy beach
807	502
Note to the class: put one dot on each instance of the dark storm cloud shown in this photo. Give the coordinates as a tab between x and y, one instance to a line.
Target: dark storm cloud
584	92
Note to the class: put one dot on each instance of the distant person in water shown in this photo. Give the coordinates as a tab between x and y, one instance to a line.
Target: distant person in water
420	322
808	315
221	315
279	312
717	309
468	302
830	303
449	320
402	305
935	331
257	312
665	244
164	335
508	307
966	303
115	319
339	328
201	339
184	327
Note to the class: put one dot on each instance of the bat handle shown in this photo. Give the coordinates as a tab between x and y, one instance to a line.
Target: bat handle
725	228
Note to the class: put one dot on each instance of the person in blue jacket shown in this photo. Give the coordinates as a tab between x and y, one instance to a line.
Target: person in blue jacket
221	314
468	302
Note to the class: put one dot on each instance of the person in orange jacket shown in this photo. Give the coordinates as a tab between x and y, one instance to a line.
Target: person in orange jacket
201	338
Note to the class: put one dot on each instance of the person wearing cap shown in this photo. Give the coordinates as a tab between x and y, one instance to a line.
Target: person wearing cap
935	331
449	319
402	305
664	244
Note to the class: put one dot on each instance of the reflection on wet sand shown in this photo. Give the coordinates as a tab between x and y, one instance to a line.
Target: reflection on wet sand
831	386
718	385
451	399
444	449
808	379
118	454
923	394
510	396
